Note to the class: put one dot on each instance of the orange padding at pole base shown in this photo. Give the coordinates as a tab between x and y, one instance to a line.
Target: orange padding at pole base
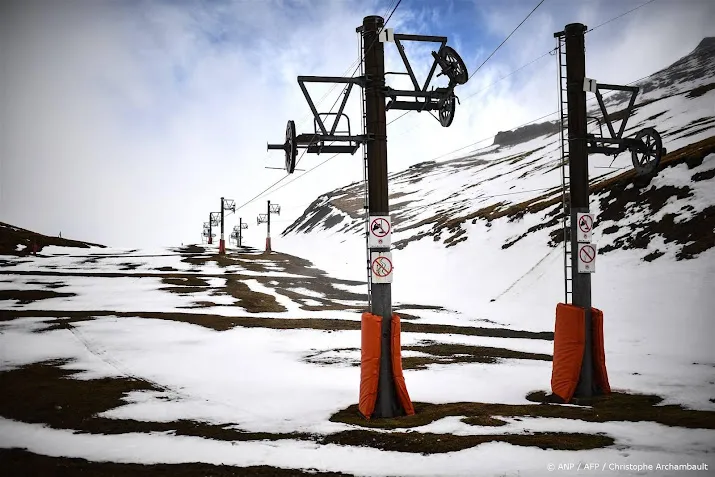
569	342
370	365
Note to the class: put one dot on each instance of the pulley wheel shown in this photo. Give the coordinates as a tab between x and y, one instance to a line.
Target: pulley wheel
456	70
446	112
646	159
291	147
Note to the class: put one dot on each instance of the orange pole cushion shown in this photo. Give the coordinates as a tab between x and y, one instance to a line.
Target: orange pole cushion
569	338
369	362
400	386
599	353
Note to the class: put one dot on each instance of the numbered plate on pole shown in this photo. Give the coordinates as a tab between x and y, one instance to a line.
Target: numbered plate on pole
586	257
380	232
584	227
387	35
381	267
590	85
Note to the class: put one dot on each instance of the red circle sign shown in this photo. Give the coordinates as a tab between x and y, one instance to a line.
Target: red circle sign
587	254
381	266
380	227
585	224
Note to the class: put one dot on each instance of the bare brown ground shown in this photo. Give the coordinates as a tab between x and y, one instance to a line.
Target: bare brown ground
221	323
21	463
45	393
613	407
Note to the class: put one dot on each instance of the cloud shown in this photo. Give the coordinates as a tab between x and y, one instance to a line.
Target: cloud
125	122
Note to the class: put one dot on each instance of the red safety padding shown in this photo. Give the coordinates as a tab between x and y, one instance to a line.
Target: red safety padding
600	374
569	337
369	362
400	386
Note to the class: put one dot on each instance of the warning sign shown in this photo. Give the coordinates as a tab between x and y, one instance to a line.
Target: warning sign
381	267
380	232
586	257
584	227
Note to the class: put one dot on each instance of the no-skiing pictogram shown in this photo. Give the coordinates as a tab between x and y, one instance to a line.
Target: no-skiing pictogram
381	267
585	223
380	227
379	232
584	227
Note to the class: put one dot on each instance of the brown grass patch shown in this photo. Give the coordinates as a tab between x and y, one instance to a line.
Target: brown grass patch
24	297
450	353
613	407
429	443
45	393
19	462
252	301
221	323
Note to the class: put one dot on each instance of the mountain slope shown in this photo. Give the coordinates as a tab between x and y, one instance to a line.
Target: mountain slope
520	174
18	241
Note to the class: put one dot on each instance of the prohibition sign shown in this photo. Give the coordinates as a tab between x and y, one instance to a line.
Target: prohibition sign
381	267
585	224
380	227
587	254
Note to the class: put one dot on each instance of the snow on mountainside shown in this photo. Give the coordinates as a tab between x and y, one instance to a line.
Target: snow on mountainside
520	174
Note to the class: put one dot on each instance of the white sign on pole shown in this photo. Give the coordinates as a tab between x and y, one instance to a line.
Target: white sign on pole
589	85
381	267
380	232
586	257
387	34
584	227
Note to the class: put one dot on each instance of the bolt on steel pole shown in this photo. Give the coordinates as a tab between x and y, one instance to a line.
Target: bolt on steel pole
387	404
578	163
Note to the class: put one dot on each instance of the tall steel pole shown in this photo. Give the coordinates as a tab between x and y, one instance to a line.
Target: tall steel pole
268	236
578	164
387	404
210	229
221	243
239	232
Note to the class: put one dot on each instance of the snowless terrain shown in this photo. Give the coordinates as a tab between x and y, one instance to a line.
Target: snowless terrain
130	362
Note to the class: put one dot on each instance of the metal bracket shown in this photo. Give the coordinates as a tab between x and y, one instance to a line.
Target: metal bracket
215	218
646	147
438	99
229	205
360	81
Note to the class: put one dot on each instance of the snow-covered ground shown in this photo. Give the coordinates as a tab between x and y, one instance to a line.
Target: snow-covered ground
260	379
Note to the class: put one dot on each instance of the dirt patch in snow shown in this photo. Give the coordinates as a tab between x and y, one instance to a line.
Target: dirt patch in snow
616	406
430	443
221	323
25	297
45	393
19	462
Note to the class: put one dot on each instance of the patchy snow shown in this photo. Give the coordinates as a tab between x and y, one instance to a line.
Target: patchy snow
484	460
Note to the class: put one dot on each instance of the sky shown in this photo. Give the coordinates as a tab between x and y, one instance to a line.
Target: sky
124	122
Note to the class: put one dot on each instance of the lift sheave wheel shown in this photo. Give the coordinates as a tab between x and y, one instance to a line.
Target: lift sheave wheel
647	156
291	147
453	66
446	112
